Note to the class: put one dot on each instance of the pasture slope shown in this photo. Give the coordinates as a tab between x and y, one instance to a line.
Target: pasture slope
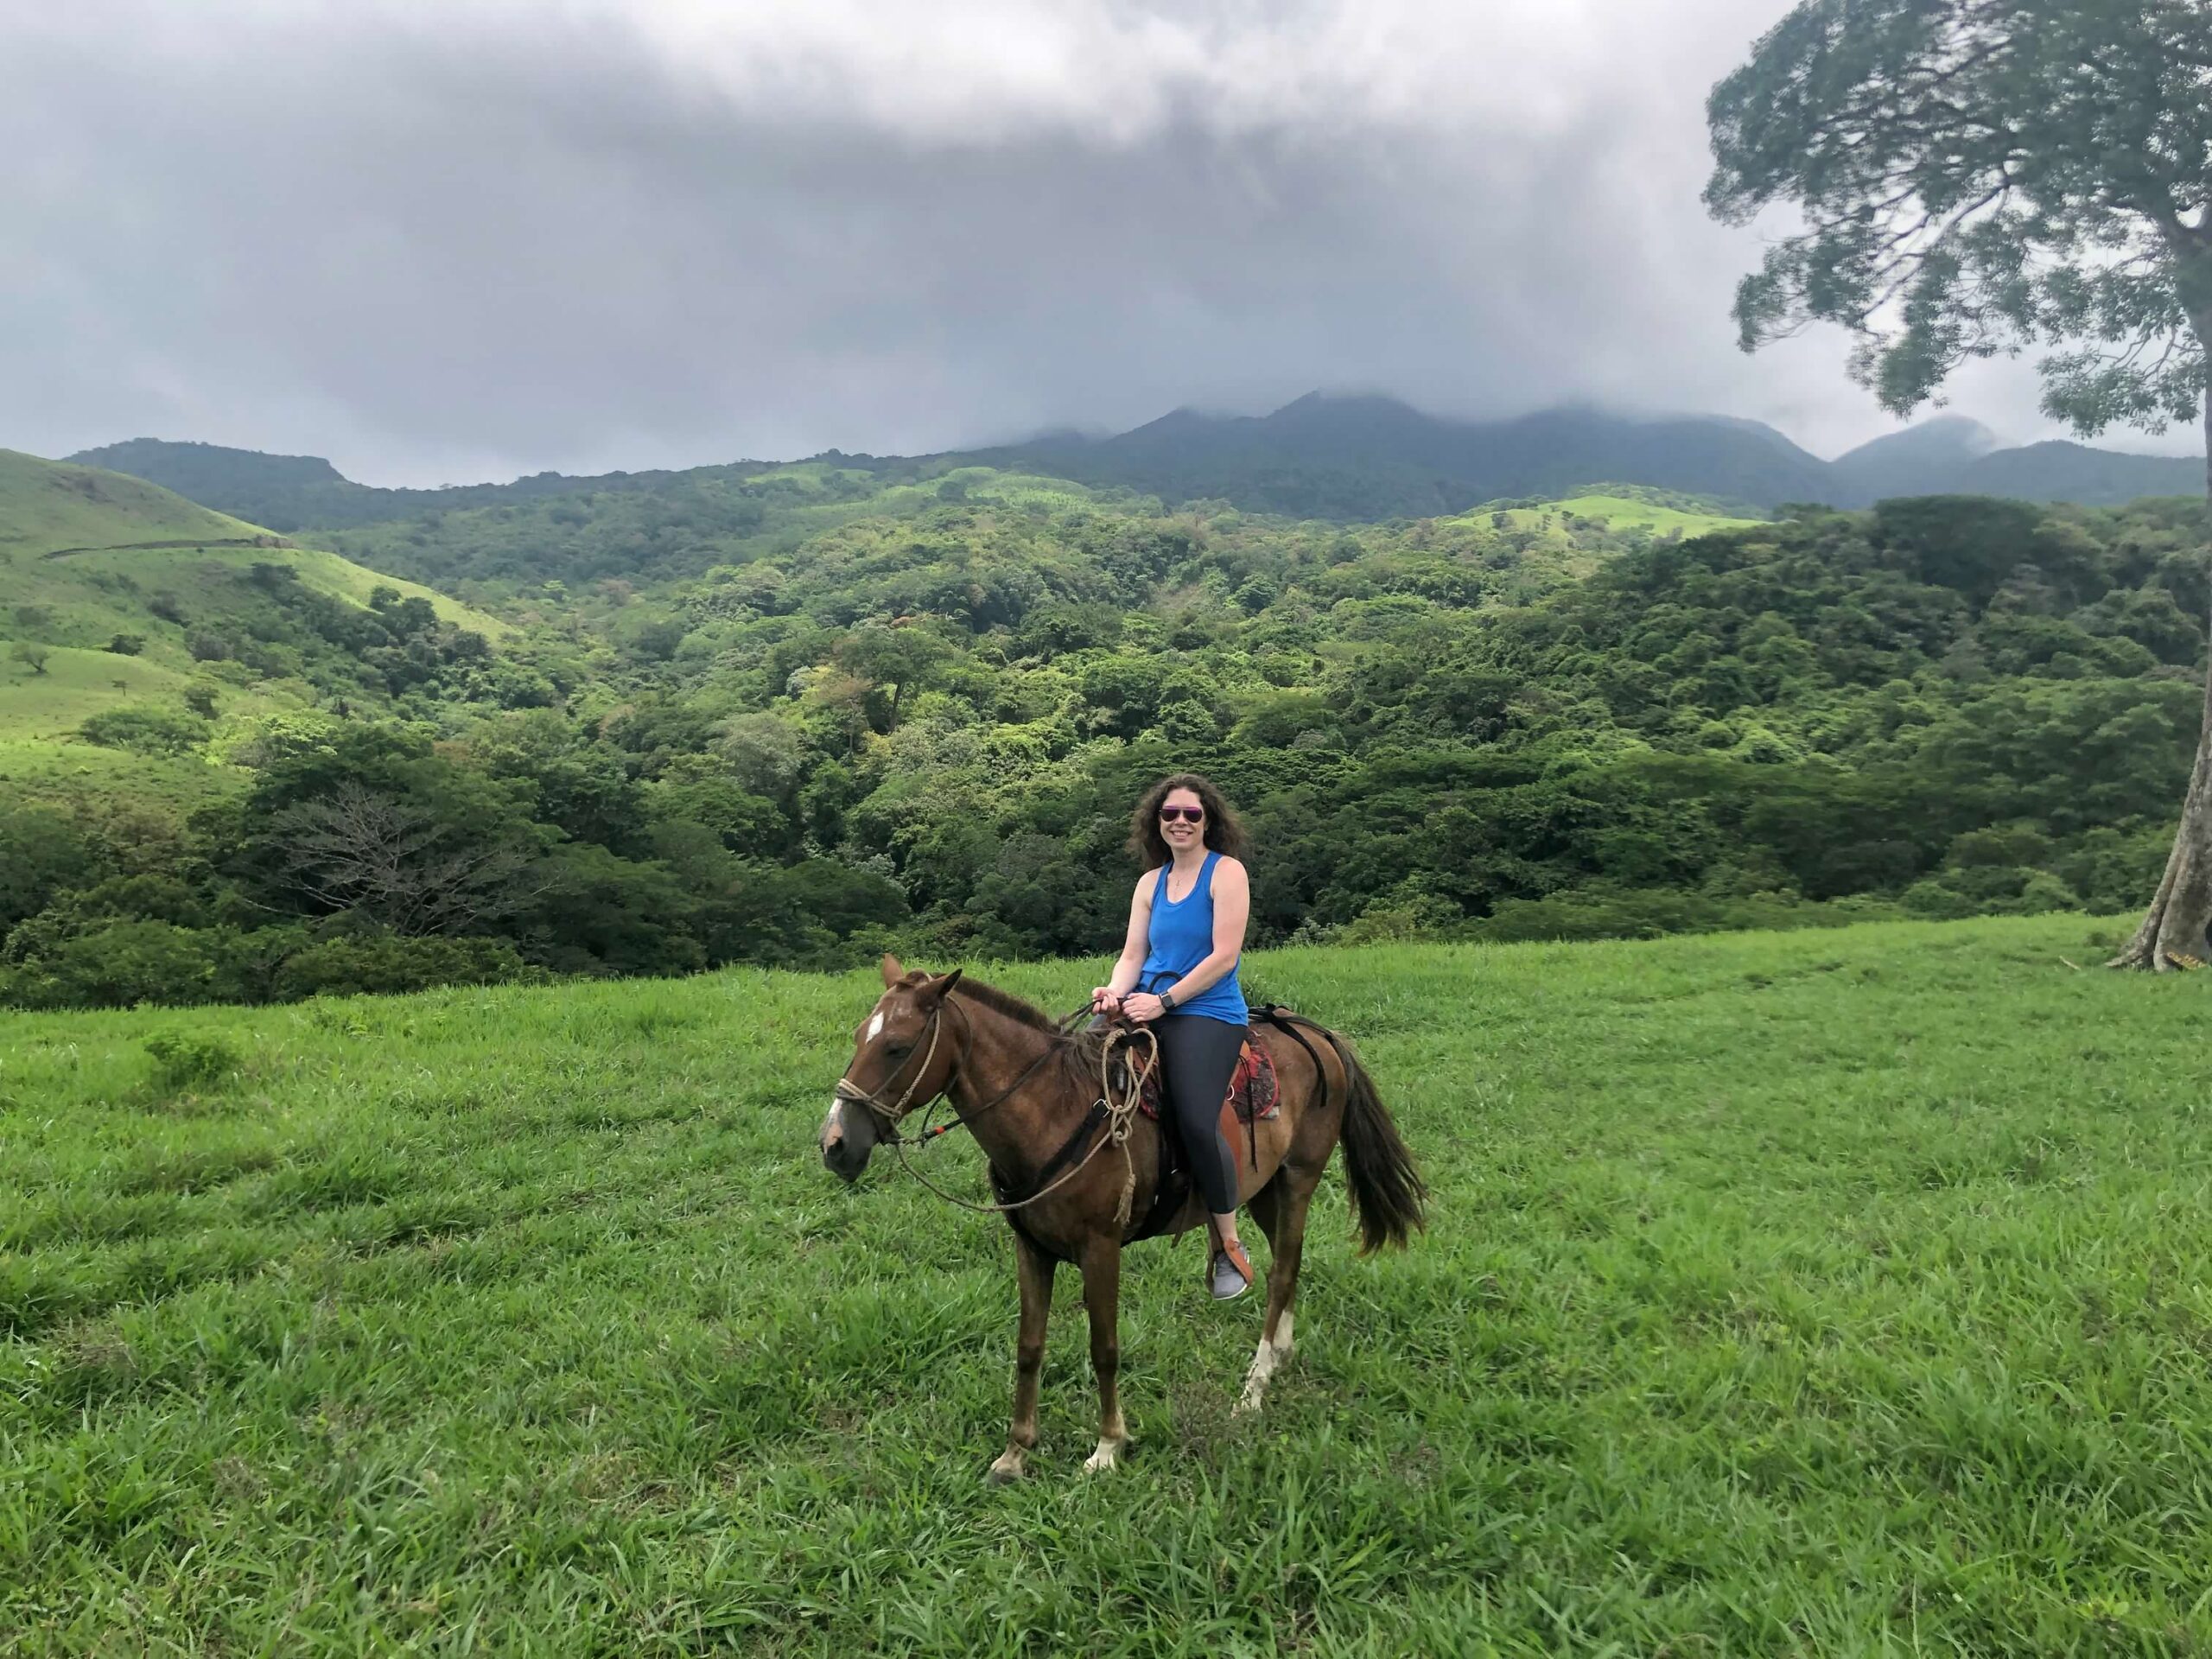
1547	541
86	555
1829	1292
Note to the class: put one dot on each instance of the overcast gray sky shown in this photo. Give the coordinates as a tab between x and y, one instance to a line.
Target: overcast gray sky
462	239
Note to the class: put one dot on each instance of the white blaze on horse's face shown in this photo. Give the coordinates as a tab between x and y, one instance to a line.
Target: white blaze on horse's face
836	1126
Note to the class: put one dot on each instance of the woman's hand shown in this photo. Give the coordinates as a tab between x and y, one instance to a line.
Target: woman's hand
1141	1007
1104	999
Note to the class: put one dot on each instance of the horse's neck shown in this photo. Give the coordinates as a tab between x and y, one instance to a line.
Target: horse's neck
1022	1128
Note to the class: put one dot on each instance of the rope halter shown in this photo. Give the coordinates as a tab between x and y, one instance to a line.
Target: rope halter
889	1117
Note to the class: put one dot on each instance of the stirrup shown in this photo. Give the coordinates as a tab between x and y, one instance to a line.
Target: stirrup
1233	1257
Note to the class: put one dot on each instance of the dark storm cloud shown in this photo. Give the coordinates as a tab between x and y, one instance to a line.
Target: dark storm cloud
464	241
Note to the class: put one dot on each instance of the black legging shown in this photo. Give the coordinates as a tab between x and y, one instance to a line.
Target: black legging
1198	1057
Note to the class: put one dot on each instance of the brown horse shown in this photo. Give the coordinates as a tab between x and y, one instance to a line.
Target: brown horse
1025	1089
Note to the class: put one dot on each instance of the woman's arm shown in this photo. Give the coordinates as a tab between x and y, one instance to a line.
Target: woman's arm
1232	909
1131	962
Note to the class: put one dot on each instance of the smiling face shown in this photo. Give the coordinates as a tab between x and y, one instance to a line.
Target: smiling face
1177	828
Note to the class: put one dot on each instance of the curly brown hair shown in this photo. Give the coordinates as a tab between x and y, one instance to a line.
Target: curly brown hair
1224	830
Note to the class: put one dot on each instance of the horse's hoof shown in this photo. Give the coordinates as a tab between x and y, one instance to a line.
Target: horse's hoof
1006	1471
1271	1356
1106	1457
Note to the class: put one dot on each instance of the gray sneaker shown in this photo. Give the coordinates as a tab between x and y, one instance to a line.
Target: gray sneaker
1229	1279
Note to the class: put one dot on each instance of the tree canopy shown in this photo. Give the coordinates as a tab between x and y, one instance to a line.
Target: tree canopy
1975	177
1981	176
924	731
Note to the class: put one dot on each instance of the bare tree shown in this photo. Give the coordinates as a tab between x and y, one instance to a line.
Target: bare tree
32	653
358	850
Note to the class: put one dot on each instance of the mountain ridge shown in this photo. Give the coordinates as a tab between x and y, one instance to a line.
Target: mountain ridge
1353	457
287	494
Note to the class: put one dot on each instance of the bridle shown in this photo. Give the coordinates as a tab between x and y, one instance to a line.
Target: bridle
887	1118
1118	1113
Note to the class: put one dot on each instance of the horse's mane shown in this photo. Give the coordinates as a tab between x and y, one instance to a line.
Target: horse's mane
1007	1004
1079	1045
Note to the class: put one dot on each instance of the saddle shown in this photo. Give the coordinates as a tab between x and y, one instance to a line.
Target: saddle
1253	1095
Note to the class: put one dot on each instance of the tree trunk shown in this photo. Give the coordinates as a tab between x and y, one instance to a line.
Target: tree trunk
2173	931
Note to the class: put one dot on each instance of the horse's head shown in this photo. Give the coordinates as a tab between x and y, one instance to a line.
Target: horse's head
893	1064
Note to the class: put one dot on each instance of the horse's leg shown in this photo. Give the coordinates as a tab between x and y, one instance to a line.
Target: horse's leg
1102	1296
1035	1268
1280	1208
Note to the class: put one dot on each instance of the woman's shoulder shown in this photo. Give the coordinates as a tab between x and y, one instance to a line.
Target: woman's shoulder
1230	864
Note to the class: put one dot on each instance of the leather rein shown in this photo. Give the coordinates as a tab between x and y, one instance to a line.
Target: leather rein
1117	1114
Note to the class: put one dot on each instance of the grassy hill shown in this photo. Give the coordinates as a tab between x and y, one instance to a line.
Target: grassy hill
46	505
74	685
698	521
86	555
925	729
1571	537
1619	513
290	492
635	526
83	541
1826	1293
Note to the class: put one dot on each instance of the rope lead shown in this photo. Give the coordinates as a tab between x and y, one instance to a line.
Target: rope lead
1121	1115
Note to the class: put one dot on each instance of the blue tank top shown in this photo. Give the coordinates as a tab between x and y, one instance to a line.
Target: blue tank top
1179	938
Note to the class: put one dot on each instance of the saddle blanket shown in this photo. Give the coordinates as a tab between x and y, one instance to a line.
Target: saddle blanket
1252	1091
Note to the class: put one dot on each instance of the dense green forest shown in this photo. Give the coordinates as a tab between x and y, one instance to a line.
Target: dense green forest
819	712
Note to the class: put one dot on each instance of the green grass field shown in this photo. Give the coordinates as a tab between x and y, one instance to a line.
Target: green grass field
1616	512
1550	551
94	779
1822	1293
76	684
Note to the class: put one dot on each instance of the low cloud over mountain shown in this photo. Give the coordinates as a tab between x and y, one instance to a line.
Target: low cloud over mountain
482	239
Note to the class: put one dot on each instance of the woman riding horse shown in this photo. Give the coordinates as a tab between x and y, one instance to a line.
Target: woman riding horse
1077	1174
1178	975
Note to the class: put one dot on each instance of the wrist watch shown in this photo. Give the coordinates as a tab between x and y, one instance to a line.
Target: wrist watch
1166	1002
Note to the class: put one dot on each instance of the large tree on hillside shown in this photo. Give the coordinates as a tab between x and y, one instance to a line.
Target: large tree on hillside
1977	177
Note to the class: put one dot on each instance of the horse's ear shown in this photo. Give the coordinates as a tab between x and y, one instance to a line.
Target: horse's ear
937	990
893	973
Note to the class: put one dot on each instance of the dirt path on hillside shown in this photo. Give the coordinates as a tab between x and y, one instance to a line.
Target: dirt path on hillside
272	542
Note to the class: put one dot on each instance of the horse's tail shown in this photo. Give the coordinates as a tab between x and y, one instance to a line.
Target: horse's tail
1387	1191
